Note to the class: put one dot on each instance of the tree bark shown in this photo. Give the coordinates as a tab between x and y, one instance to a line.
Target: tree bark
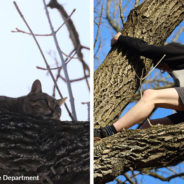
116	81
141	150
57	152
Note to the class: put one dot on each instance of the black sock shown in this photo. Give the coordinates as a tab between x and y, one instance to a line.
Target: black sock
104	131
111	130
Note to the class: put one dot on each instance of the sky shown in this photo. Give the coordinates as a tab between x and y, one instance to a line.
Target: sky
160	112
20	55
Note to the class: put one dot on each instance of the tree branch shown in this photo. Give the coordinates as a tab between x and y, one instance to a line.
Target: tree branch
57	152
142	150
99	24
63	64
73	35
110	20
50	34
169	178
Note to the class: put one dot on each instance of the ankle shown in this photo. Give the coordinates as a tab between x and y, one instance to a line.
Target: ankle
105	131
111	129
108	131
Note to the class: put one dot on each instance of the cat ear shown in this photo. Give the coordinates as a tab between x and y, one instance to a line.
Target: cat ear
36	87
61	101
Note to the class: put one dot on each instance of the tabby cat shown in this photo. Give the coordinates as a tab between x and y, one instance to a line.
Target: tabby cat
36	103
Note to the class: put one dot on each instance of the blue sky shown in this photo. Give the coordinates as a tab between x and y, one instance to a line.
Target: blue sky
20	55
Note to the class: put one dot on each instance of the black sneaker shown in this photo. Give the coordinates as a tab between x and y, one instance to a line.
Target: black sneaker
100	132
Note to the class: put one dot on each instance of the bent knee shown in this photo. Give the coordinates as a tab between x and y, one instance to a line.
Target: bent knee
148	95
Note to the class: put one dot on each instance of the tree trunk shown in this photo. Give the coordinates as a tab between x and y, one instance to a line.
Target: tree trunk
141	150
57	152
116	81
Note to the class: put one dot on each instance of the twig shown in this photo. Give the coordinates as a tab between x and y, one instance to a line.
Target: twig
47	65
121	12
50	34
154	67
117	180
63	64
142	78
177	34
68	55
128	178
111	22
74	80
72	54
84	47
67	60
71	80
59	68
99	23
73	35
155	175
136	3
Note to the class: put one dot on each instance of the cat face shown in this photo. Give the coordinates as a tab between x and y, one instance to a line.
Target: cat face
40	104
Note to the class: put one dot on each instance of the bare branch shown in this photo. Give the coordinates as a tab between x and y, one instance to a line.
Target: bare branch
136	3
73	35
50	34
84	47
156	175
63	64
44	58
121	12
178	34
111	22
99	23
128	178
74	80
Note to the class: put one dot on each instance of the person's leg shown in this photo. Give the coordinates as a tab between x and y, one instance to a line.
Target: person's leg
165	98
168	120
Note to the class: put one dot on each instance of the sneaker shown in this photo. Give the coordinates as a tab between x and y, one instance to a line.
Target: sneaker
100	132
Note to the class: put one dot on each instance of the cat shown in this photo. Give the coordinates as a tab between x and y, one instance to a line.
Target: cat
36	103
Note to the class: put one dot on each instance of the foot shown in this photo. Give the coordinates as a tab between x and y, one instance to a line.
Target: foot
104	131
100	132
